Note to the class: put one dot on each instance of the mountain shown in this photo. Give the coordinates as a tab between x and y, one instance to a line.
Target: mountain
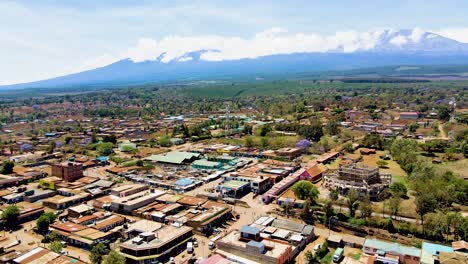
383	48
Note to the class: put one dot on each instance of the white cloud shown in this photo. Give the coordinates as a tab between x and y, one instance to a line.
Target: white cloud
459	34
416	34
399	40
269	42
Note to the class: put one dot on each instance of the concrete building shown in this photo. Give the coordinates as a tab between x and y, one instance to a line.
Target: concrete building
68	171
238	247
129	189
62	202
364	179
132	202
158	246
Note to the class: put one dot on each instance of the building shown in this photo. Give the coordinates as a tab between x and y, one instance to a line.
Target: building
28	211
80	235
157	246
213	214
129	189
314	173
364	179
109	223
174	158
68	171
430	252
79	210
41	255
62	202
391	252
239	247
327	157
409	115
132	202
207	165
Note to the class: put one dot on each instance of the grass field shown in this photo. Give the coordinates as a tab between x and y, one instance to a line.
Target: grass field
457	167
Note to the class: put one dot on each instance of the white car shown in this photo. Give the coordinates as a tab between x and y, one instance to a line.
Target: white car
317	247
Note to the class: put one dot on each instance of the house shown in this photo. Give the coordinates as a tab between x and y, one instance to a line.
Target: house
367	151
391	252
314	173
430	252
409	115
327	157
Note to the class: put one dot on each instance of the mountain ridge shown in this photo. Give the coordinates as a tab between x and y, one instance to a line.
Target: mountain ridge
403	47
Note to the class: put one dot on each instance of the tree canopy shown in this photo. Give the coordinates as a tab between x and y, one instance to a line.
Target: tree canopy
305	190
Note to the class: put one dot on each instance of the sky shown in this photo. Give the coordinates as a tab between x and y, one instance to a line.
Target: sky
41	39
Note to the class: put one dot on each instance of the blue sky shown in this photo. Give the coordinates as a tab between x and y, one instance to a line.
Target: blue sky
44	38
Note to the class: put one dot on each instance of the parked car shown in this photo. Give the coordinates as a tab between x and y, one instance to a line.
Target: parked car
189	247
317	247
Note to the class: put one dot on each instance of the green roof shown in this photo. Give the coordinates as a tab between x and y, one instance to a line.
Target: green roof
206	163
234	184
174	157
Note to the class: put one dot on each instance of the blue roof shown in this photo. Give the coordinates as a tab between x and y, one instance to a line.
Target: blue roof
102	158
255	244
429	250
184	182
392	247
250	230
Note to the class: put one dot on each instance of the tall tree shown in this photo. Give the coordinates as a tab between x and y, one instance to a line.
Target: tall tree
114	258
97	253
305	190
10	215
352	201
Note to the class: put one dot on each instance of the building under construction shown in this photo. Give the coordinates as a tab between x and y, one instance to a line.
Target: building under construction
364	179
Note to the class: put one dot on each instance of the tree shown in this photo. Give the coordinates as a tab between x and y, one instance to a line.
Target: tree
114	258
443	112
10	215
7	167
394	204
313	131
68	140
413	127
97	253
264	142
56	246
334	195
248	129
332	127
382	163
148	167
249	143
425	203
309	257
110	138
398	189
365	206
352	201
105	149
265	130
305	190
165	141
328	209
43	222
348	147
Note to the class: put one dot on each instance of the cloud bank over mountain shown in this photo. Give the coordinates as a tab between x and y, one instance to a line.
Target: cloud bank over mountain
269	42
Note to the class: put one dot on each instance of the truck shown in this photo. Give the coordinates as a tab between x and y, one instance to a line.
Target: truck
337	255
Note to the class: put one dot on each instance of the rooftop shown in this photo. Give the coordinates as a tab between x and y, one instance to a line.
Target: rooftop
162	236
